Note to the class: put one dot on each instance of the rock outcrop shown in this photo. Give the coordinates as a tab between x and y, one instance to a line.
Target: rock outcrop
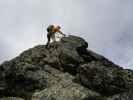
66	70
105	78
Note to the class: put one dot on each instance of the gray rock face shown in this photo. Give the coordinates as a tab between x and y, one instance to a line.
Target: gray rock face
128	95
105	79
21	79
11	98
61	87
64	71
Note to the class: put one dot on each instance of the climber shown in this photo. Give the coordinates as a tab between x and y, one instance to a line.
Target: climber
52	30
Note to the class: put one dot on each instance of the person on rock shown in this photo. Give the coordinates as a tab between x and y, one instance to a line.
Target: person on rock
52	30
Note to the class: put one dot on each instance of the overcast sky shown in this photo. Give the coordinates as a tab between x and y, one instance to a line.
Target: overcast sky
107	25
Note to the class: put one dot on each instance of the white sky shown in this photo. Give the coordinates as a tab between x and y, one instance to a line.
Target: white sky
105	24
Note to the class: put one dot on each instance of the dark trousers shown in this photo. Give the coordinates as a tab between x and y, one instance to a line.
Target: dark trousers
49	37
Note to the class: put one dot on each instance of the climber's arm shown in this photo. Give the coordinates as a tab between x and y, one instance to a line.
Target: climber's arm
61	33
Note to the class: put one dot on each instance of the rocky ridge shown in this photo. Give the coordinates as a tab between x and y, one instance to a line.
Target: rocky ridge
66	70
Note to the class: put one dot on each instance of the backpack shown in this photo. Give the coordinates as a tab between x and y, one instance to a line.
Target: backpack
50	28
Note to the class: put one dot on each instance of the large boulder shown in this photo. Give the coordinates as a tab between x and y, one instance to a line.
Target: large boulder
62	87
105	78
20	79
61	55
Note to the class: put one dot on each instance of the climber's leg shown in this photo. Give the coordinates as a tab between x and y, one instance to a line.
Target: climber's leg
48	38
53	37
